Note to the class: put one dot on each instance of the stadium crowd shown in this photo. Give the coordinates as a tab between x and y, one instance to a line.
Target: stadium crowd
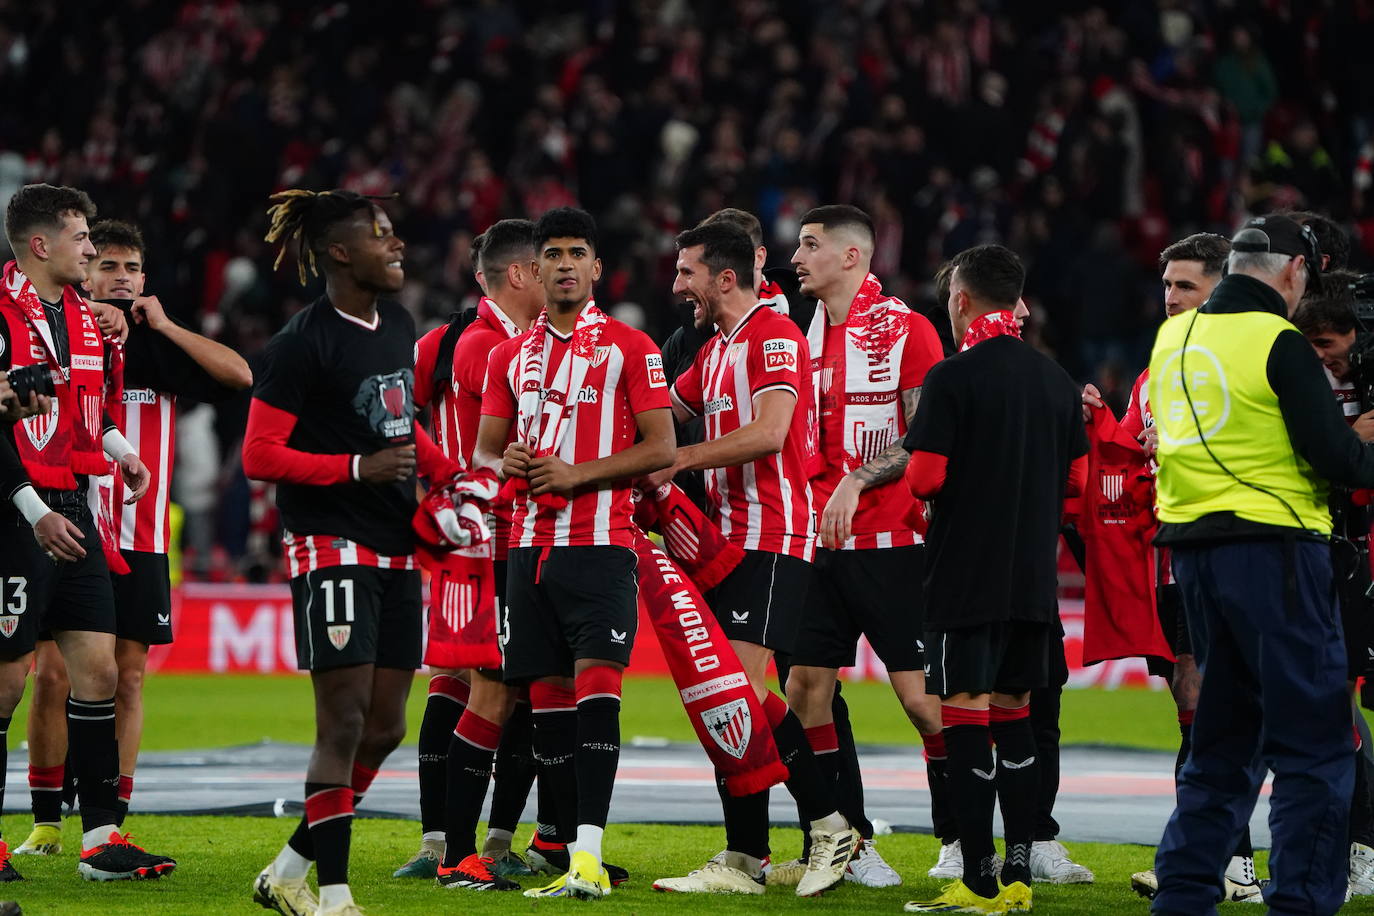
1090	135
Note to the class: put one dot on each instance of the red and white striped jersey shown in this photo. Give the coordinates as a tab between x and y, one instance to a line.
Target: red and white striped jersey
764	504
307	553
624	378
1137	417
150	425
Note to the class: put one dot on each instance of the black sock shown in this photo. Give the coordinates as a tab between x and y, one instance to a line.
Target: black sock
1045	705
555	747
95	756
1243	846
815	797
436	730
598	756
5	759
746	820
300	841
469	773
973	793
1362	803
942	822
1018	782
849	786
45	791
514	772
1185	741
545	811
329	814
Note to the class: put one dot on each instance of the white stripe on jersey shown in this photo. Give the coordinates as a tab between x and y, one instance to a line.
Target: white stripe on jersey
615	365
128	515
162	478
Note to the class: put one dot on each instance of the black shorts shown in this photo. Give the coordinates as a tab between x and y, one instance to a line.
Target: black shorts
143	599
761	601
1004	656
357	615
1173	623
1351	575
874	593
564	604
40	595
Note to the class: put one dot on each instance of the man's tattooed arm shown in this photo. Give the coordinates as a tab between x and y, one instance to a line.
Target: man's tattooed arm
891	461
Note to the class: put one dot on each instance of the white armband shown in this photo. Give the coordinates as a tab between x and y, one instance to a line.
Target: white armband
354	466
116	446
30	504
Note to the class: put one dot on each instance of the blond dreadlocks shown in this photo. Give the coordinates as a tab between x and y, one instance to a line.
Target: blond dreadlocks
306	217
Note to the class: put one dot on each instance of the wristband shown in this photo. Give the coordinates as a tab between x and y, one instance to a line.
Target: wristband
30	504
353	465
116	446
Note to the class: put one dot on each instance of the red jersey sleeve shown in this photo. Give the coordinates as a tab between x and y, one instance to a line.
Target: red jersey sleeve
687	387
644	380
470	360
498	399
776	360
922	351
426	352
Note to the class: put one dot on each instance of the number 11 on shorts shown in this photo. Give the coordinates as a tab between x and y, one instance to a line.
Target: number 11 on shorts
346	587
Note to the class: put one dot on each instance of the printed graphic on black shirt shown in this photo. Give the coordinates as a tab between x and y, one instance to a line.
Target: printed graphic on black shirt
385	402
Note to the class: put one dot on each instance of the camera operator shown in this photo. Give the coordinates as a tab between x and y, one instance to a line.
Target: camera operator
1248	436
1327	318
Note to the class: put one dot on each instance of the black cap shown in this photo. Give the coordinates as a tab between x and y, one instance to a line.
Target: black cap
1279	235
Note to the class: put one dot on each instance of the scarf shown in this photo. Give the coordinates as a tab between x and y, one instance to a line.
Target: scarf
1000	323
544	411
454	544
58	445
716	693
771	295
692	540
875	336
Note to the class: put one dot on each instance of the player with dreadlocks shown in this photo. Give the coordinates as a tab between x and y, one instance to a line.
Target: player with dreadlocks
332	424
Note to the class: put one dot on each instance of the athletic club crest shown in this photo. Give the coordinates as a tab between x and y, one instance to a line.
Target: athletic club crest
729	726
40	427
8	625
338	635
600	355
1113	485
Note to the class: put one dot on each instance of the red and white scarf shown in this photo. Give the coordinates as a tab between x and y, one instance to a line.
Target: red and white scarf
56	446
547	402
771	295
987	326
876	332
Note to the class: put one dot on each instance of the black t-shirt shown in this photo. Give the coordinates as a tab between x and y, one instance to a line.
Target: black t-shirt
351	389
1009	420
151	360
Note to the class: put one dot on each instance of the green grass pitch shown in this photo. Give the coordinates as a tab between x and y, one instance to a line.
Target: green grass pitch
219	857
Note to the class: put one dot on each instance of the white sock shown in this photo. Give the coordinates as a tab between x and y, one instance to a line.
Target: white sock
831	823
498	839
589	839
748	864
291	865
99	836
433	838
333	896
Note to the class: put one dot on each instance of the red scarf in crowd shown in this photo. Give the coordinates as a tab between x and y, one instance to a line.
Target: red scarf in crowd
987	326
546	403
455	546
56	446
716	693
1117	523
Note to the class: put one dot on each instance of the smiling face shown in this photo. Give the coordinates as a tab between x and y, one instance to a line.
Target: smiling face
1186	286
695	284
1333	349
568	268
373	252
115	273
67	250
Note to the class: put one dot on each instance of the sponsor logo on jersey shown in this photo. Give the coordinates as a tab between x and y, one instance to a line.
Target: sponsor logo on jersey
8	624
385	402
618	636
654	363
339	634
729	725
40	427
164	619
140	396
587	394
778	354
88	362
716	405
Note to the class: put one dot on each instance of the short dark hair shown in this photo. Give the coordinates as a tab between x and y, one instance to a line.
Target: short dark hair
941	280
42	206
725	246
743	219
503	244
993	273
1331	238
1330	307
115	233
1208	247
565	223
841	216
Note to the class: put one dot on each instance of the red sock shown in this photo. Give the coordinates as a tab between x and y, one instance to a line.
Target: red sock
774	709
934	746
823	739
126	788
